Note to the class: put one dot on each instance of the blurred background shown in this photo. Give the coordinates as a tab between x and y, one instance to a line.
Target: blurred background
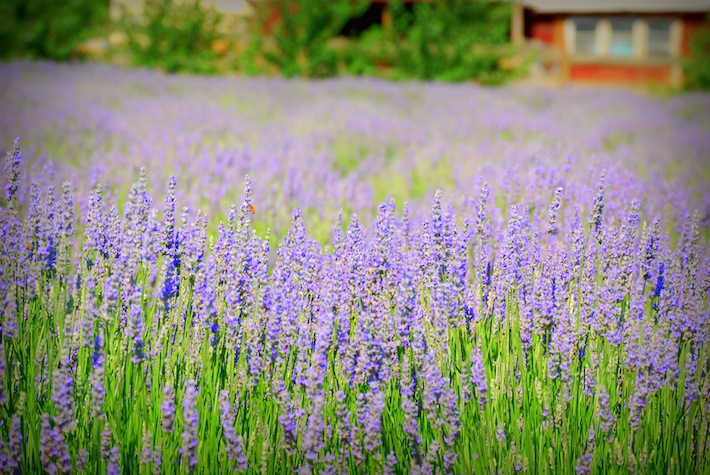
651	44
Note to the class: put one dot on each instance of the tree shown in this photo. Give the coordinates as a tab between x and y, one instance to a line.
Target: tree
48	28
298	43
697	66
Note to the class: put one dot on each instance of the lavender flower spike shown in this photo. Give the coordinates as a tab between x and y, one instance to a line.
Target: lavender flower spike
598	206
554	208
12	170
235	444
168	409
189	434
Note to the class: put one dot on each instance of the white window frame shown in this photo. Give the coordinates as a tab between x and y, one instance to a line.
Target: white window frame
570	36
676	37
639	35
570	30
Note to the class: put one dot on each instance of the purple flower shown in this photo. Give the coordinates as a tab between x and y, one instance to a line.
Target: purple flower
288	418
500	433
110	453
63	396
46	234
135	326
692	385
15	444
584	464
170	286
313	437
167	409
9	320
481	229
146	455
390	464
54	453
114	233
12	170
192	239
605	415
3	373
429	462
66	218
576	241
595	218
342	413
65	228
188	450
243	221
651	246
660	280
96	379
410	407
169	236
157	459
82	457
235	444
370	409
137	208
95	225
552	212
637	404
114	458
478	376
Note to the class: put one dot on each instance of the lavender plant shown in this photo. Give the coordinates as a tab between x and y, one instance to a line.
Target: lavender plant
414	346
545	312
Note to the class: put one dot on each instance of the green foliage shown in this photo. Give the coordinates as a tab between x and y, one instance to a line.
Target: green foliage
362	55
48	28
450	40
446	40
697	67
298	44
173	35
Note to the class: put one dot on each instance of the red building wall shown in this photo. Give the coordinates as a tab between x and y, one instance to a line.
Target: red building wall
544	31
548	29
622	74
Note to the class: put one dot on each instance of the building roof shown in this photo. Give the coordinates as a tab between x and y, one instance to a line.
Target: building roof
617	6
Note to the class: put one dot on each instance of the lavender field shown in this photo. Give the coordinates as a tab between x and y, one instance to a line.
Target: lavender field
252	275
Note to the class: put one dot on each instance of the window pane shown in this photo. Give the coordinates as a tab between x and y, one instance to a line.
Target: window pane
585	35
622	43
659	38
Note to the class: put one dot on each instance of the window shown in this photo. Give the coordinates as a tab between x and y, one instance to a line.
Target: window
659	38
622	40
585	36
622	36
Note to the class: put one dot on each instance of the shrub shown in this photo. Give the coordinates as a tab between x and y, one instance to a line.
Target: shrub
298	43
48	29
450	40
697	67
173	36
